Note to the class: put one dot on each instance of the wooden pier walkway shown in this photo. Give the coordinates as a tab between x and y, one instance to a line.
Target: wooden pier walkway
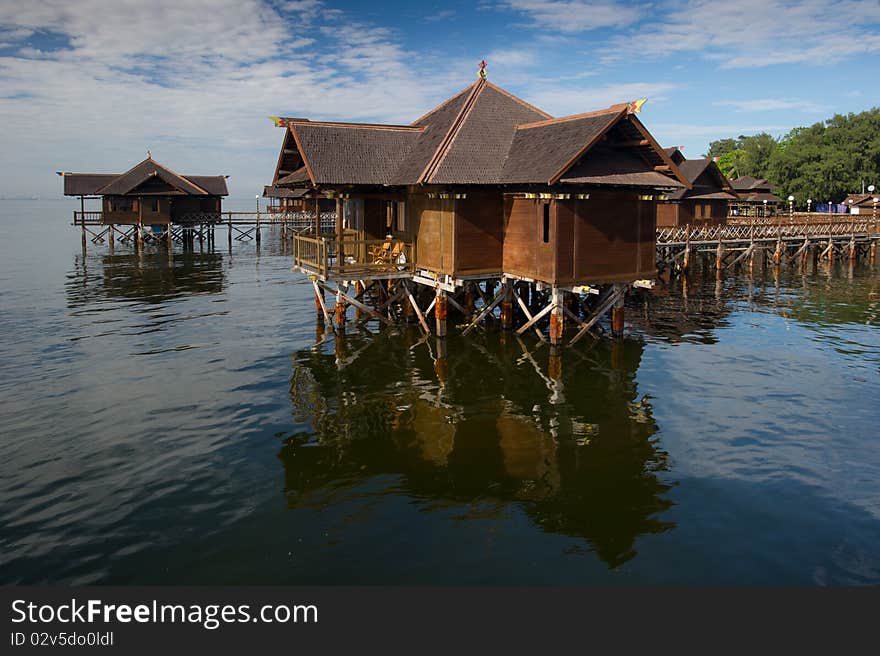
241	226
781	239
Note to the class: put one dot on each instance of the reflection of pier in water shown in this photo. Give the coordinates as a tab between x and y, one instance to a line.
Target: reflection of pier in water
151	278
573	446
693	307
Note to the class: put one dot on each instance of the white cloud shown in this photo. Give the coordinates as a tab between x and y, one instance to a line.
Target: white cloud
571	16
773	104
757	33
194	81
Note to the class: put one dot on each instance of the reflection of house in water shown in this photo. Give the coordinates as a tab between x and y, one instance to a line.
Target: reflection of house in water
586	466
153	278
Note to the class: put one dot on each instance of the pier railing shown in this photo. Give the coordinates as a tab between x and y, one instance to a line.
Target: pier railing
294	221
352	259
852	225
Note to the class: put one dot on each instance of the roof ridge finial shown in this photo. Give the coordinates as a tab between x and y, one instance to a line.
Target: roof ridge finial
483	69
149	154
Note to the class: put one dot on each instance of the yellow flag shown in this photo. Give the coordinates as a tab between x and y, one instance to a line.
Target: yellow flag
636	106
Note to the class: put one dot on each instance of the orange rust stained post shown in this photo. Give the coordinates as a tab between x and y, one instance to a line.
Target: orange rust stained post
340	311
440	313
557	318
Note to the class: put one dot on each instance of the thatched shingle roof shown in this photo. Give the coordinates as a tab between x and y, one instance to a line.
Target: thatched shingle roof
706	179
120	184
482	135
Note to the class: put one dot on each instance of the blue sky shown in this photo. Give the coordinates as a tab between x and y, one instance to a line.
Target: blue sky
89	85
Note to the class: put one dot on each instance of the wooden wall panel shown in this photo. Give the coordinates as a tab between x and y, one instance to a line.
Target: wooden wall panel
667	214
565	240
608	232
520	235
433	223
479	234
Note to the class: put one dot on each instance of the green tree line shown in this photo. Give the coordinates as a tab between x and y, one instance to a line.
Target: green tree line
825	161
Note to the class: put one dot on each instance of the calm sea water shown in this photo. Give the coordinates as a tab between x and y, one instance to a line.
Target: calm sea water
180	419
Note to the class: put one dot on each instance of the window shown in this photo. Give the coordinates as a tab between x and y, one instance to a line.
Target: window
154	204
546	209
121	204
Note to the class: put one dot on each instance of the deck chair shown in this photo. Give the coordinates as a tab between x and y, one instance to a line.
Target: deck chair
380	254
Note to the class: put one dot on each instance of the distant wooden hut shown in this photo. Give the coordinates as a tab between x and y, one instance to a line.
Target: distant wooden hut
705	203
149	194
484	185
754	197
862	203
288	200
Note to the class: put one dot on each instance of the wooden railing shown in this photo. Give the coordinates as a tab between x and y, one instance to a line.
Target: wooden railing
87	218
352	258
856	225
296	221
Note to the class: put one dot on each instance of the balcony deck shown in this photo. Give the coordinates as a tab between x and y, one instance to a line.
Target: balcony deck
353	259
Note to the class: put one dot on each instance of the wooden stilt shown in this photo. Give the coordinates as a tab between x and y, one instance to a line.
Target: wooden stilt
440	313
719	258
358	291
418	312
353	301
617	311
529	317
557	317
485	310
605	304
873	251
507	305
319	300
468	302
685	262
339	310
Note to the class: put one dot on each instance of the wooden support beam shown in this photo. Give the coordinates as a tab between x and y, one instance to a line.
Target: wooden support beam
370	311
319	300
484	311
528	315
604	305
535	319
415	307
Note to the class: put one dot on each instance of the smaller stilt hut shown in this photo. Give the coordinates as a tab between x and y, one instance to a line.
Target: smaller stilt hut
754	197
705	203
149	194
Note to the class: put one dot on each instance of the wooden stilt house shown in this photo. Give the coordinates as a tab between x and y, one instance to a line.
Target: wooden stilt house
487	184
149	194
705	203
754	197
483	186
